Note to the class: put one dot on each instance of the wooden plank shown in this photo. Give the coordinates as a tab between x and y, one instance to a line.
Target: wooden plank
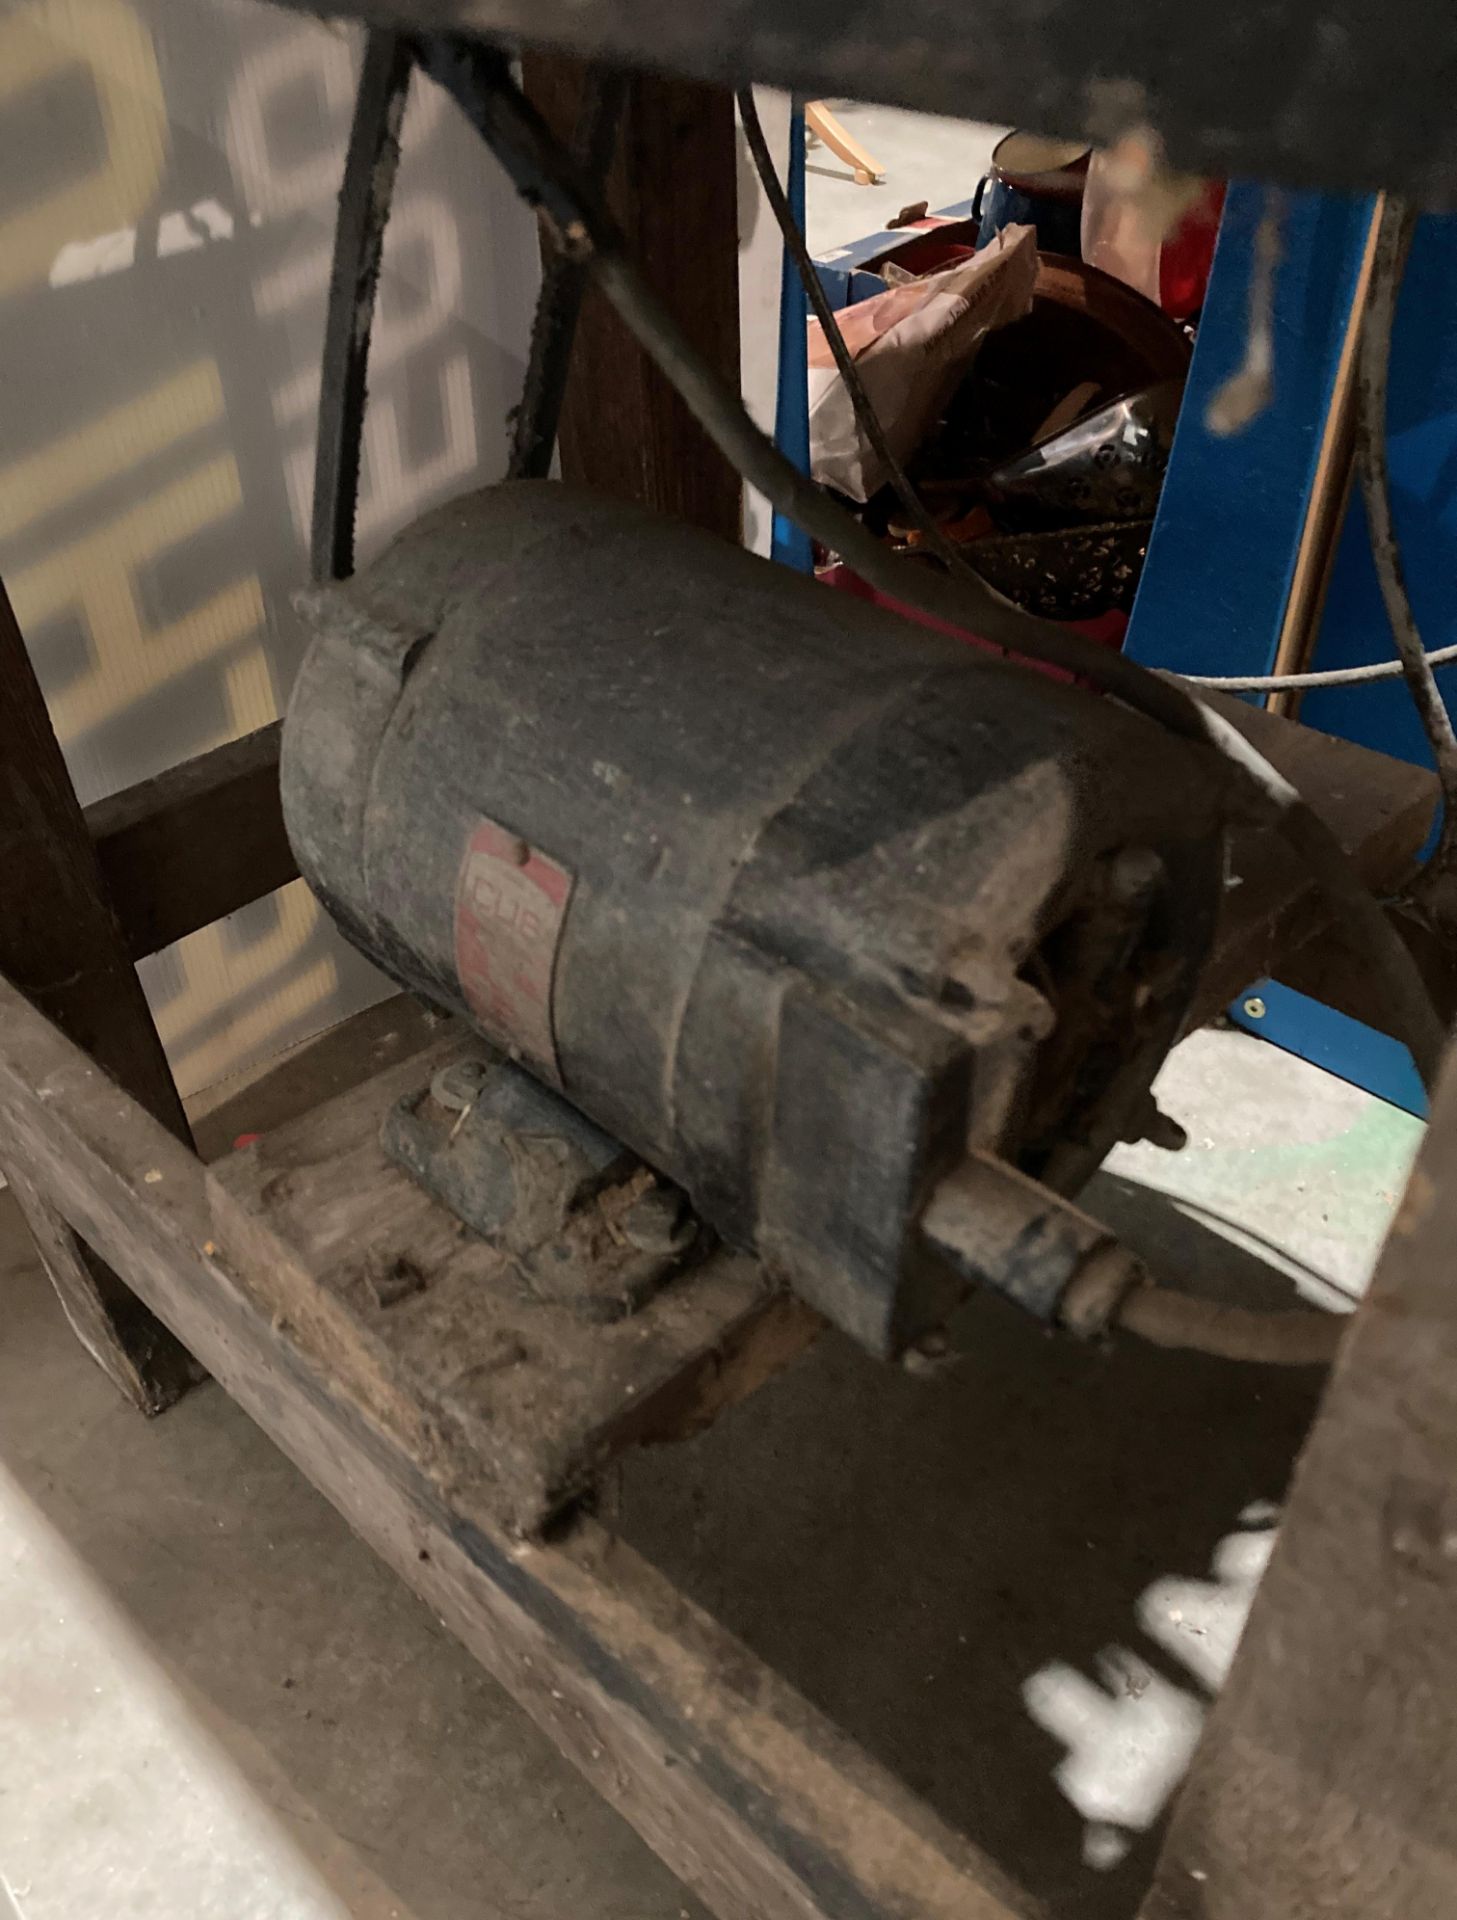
325	1065
762	1807
127	1342
1332	971
1330	493
521	1397
674	190
1228	96
1380	810
1326	1784
199	841
61	944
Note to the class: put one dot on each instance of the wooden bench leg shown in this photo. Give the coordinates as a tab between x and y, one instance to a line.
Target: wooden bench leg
623	428
61	945
1326	1781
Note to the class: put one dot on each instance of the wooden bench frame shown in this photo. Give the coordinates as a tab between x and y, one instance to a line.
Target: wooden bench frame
758	1802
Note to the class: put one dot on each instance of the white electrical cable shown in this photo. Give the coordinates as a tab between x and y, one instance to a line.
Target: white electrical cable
1332	677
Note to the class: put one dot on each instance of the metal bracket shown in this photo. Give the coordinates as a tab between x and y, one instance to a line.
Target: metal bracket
587	1222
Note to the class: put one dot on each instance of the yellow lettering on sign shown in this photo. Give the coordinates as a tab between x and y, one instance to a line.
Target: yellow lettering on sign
105	37
262	984
123	437
96	576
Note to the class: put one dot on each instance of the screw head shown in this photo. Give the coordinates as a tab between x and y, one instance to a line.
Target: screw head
458	1085
659	1222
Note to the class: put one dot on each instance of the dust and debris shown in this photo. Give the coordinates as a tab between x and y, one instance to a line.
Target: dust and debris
392	1279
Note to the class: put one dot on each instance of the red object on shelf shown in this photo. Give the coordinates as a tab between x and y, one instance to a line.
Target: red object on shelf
929	250
1119	236
935	240
1188	254
1107	629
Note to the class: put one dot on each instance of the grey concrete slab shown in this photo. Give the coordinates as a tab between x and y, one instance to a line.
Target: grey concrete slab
925	157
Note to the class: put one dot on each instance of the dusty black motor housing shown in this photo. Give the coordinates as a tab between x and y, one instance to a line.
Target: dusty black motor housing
798	900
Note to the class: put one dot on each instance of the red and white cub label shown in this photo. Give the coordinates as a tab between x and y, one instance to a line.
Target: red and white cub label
510	901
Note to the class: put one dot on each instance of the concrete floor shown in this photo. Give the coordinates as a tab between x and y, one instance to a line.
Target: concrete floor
1018	1584
925	157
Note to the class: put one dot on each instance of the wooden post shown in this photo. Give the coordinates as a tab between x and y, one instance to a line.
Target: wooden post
61	945
1325	1787
674	191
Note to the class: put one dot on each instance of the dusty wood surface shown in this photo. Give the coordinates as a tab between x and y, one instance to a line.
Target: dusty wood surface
1378	808
760	1805
1326	1785
674	190
320	1068
60	943
1329	969
195	843
519	1400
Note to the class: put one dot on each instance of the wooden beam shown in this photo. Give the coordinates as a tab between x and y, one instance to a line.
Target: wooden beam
674	191
1326	1784
529	1399
1330	494
1379	809
1332	971
759	1804
60	943
199	841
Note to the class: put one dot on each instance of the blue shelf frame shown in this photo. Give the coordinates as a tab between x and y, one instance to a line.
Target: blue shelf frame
1222	557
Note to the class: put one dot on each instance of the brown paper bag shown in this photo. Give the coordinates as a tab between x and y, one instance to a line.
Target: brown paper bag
912	346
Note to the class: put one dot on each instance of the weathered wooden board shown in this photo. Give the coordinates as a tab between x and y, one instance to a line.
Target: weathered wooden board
1326	1784
60	942
762	1807
342	1057
674	192
1379	809
199	841
518	1400
1330	969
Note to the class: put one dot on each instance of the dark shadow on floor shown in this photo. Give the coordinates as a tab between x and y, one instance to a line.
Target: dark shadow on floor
911	1552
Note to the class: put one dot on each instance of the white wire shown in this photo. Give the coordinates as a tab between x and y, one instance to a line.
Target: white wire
1332	677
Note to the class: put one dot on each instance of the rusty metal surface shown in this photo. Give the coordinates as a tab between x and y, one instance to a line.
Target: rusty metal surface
1066	573
1344	94
1003	1230
364	210
585	1222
